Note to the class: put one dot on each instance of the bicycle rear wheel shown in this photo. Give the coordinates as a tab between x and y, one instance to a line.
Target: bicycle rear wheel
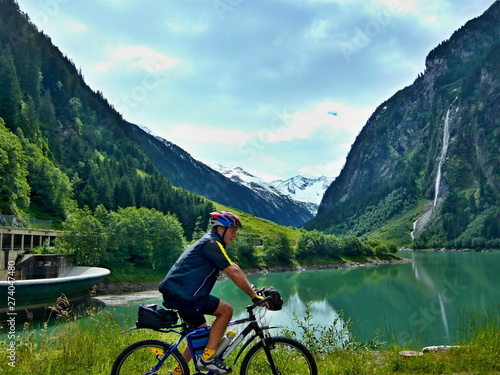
289	356
142	356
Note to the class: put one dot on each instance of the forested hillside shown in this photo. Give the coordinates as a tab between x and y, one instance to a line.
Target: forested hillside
68	156
424	171
62	146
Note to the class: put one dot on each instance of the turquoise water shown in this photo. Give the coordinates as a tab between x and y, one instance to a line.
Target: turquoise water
424	302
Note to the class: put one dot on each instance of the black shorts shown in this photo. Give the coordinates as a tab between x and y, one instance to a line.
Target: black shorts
195	315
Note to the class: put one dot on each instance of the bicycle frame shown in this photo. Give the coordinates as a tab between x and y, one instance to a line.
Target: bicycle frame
252	326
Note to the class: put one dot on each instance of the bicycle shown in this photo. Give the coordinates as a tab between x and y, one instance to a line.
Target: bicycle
277	355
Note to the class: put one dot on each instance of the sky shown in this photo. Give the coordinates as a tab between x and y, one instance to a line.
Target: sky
278	87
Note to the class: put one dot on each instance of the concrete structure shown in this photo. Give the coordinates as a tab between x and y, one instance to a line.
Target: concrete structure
17	241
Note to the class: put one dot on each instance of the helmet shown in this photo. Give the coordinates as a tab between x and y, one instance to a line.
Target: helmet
224	219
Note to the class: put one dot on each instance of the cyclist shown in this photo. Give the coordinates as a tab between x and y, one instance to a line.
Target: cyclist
188	284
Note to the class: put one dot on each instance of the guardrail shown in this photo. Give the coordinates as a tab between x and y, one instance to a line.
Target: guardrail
12	221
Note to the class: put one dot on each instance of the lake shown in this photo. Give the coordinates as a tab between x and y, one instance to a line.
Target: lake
423	302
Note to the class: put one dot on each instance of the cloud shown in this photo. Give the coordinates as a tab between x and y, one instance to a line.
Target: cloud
202	134
144	57
282	126
310	141
76	26
302	124
141	57
329	169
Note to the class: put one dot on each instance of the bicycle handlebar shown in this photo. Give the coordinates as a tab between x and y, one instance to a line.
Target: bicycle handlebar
254	305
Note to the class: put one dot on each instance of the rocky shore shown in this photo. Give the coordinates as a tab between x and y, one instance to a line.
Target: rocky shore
105	287
454	250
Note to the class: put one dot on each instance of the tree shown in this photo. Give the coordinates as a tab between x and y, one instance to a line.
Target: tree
86	237
198	229
124	194
14	188
242	250
352	246
47	113
278	249
51	189
145	238
306	245
10	90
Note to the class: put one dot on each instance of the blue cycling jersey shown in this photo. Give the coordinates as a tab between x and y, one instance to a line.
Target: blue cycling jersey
194	274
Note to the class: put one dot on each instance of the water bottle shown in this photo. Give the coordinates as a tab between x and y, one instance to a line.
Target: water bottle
224	342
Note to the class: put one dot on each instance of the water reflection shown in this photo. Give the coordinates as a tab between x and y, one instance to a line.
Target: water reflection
424	302
427	280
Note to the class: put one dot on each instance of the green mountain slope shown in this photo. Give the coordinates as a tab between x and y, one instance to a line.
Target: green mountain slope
424	171
63	145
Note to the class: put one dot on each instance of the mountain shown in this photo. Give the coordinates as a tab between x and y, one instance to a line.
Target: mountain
190	174
303	189
63	146
307	192
424	170
72	148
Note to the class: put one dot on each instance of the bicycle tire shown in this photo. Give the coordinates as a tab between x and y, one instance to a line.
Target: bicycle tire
141	356
289	355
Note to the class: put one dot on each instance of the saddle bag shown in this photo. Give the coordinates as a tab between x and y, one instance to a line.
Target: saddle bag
155	317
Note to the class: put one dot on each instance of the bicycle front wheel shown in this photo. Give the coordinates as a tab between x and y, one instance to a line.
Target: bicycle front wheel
289	356
143	356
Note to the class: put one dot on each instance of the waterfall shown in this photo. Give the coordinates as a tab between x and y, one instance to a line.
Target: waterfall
412	234
444	150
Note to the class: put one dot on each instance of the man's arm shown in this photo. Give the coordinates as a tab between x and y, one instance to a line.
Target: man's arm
235	273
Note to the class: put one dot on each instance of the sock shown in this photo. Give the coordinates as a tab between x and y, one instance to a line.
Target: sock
177	370
208	354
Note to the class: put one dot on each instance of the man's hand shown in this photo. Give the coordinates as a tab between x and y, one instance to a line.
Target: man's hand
257	300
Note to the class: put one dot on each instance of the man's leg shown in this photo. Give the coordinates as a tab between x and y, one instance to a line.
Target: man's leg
223	315
207	360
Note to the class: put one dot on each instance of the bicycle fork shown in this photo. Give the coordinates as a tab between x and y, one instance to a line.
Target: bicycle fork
268	346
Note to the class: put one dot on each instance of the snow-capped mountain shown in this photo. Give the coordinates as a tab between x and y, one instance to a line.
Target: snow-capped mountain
303	189
306	191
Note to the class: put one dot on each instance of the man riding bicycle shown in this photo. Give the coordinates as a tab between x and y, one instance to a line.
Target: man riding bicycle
189	282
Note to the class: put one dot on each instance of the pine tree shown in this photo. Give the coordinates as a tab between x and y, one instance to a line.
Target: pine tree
10	90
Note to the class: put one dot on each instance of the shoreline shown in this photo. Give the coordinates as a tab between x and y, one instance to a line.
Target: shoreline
122	287
453	250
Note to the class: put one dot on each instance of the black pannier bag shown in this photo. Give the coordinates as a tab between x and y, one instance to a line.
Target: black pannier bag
275	303
155	317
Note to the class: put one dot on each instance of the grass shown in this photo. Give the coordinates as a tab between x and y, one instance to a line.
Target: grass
397	230
261	227
89	345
